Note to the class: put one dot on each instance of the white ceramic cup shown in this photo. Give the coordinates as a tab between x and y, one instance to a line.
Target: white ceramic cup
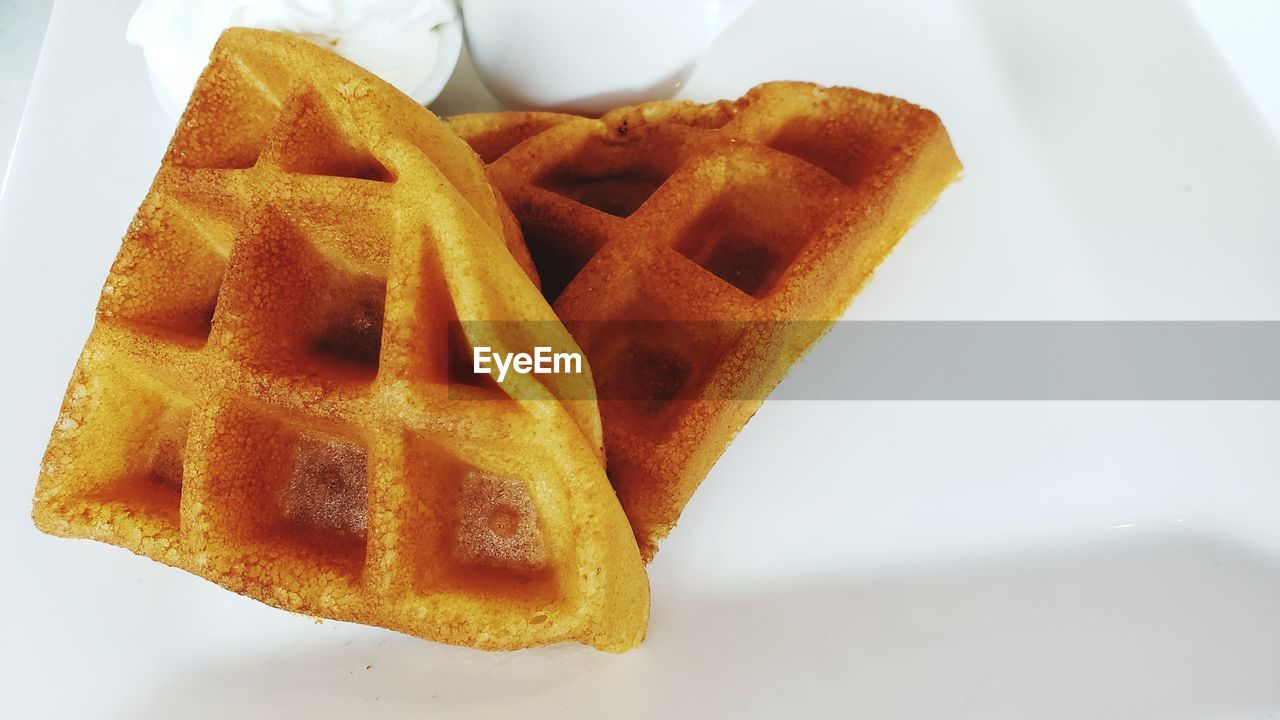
590	55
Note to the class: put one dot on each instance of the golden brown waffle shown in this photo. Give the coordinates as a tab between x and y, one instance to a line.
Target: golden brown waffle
264	399
746	214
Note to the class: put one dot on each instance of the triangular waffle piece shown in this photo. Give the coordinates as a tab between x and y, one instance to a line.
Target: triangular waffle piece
265	398
679	242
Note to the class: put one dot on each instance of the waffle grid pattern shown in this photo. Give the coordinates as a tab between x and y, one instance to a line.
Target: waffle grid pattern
743	214
265	398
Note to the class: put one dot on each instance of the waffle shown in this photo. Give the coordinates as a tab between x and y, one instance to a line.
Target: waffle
680	242
269	396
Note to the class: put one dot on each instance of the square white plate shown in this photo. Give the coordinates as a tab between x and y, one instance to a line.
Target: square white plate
880	560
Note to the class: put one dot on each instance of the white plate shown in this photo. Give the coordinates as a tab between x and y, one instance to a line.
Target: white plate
883	560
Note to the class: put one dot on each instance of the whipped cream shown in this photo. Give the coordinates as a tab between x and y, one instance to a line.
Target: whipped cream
412	44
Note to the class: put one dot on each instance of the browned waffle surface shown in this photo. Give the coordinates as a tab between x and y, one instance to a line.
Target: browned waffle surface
264	399
744	214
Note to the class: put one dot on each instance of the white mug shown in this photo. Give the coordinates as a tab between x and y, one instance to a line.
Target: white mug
590	55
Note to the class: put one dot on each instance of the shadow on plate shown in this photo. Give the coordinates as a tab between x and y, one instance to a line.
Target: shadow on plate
1177	628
